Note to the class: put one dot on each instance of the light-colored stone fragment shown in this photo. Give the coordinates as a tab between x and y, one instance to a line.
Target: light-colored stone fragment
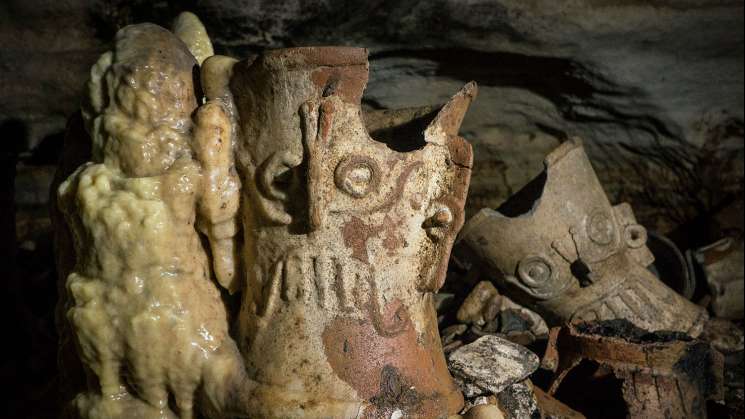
472	309
491	364
484	411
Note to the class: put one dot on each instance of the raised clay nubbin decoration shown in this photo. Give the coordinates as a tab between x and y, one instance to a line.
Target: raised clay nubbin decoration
562	249
345	237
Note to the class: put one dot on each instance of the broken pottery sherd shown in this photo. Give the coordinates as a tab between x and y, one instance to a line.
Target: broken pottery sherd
490	364
560	248
721	264
615	365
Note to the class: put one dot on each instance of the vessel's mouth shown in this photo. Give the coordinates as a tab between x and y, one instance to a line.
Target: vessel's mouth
524	202
401	130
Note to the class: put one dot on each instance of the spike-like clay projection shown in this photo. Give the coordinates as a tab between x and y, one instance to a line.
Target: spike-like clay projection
347	225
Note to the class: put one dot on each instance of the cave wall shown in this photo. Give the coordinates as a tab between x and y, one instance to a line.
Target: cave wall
647	84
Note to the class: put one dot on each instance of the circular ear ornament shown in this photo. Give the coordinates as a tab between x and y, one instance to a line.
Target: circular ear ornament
357	176
438	225
635	236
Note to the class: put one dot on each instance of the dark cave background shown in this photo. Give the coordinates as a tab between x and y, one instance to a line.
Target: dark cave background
655	89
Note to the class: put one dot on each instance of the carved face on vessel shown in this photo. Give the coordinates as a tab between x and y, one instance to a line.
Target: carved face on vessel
318	180
562	249
343	227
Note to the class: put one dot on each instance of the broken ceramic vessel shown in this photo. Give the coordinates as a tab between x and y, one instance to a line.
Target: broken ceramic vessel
346	236
611	366
560	248
721	265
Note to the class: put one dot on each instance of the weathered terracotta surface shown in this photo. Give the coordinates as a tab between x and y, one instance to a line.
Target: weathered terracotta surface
562	249
346	239
346	236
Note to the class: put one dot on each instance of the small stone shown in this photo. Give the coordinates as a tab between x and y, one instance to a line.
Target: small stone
450	347
538	326
484	411
492	363
512	320
472	309
518	401
469	390
450	333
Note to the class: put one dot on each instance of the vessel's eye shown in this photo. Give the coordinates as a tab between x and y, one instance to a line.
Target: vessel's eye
357	176
600	228
535	271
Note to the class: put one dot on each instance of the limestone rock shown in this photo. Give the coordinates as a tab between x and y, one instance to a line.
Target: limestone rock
490	364
619	73
450	333
518	401
472	311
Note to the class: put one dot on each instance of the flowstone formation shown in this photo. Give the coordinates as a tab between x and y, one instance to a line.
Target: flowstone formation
347	225
147	318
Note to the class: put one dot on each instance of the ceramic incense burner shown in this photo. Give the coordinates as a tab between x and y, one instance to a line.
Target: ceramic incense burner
559	247
347	237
